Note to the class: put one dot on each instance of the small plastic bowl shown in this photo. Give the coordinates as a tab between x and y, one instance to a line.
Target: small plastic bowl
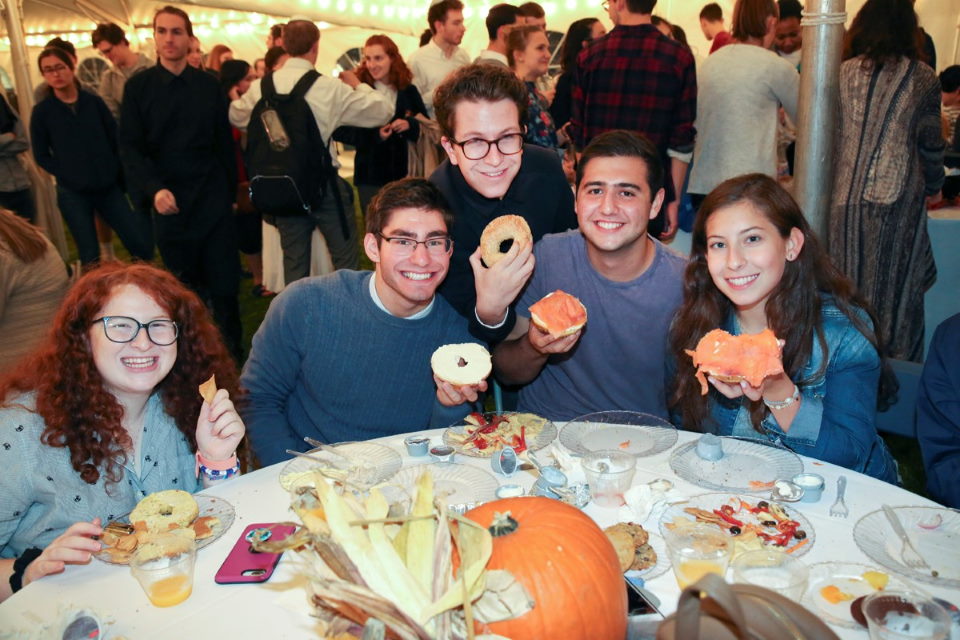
786	491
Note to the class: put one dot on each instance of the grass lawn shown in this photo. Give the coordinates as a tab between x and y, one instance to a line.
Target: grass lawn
252	310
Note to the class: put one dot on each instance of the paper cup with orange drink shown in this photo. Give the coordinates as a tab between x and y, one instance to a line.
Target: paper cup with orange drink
696	551
164	568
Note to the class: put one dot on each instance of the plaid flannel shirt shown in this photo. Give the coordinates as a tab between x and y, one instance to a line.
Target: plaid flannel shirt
637	79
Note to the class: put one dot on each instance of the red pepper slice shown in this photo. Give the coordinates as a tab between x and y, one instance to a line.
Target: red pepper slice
479	418
725	512
523	439
788	525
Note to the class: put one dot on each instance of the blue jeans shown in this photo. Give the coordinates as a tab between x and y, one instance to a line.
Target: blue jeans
132	227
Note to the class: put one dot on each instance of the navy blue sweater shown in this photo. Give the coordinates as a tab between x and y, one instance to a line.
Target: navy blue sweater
77	145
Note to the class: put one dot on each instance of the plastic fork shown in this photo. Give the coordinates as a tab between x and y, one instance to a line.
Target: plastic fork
908	553
839	508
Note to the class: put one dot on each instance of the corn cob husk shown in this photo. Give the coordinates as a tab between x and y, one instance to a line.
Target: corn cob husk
406	582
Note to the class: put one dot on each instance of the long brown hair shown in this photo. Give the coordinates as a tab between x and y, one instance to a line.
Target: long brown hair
793	308
884	30
20	237
399	77
79	412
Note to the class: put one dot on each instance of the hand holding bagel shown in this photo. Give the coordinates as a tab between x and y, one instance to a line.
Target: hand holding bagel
460	371
506	272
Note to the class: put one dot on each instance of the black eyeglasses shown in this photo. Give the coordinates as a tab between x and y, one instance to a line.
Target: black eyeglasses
437	246
123	329
478	148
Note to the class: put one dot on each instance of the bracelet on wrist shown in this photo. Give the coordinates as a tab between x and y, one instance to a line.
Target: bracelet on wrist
219	474
783	404
20	567
215	469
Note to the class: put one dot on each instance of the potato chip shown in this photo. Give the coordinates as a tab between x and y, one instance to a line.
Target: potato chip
209	389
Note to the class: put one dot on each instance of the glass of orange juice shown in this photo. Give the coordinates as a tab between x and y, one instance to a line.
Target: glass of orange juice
164	568
697	550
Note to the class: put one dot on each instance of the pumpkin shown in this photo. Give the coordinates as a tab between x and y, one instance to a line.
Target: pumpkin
567	565
750	356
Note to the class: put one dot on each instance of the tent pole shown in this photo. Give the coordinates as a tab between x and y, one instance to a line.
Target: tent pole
20	58
823	31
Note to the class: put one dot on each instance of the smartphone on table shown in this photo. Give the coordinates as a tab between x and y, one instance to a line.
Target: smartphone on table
243	564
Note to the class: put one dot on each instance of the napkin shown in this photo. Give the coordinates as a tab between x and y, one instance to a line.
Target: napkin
570	465
646	500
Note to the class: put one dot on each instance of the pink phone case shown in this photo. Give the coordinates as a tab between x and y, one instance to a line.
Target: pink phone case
244	565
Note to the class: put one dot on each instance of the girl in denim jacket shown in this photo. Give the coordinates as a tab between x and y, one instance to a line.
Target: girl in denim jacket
756	263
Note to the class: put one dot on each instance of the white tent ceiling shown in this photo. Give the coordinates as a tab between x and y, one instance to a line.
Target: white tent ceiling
242	24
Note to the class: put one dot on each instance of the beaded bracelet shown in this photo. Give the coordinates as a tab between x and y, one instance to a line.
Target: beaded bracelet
217	469
783	404
219	474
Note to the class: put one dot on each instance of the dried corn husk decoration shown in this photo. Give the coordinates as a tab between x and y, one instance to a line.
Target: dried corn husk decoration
398	570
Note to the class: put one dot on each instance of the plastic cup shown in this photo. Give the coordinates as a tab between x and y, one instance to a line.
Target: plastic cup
167	581
696	551
609	473
774	570
899	615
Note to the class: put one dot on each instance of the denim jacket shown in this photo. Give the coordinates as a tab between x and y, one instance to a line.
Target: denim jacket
835	421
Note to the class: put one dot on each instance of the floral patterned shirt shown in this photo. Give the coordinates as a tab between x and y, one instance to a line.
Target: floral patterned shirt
540	128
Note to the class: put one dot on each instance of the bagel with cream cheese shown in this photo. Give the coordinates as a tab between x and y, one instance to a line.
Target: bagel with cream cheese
461	364
493	240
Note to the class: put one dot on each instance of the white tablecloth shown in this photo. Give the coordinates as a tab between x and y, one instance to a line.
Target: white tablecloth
278	608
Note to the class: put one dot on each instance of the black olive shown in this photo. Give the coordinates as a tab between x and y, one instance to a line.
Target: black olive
799	534
734	530
769	523
763	504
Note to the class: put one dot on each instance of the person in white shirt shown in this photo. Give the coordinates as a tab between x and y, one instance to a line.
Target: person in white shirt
333	103
435	60
501	19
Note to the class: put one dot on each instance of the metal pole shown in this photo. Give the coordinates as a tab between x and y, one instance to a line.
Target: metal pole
20	58
817	113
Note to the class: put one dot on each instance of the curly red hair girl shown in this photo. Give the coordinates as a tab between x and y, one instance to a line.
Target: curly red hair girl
79	412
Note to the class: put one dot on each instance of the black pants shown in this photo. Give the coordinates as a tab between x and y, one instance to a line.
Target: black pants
209	264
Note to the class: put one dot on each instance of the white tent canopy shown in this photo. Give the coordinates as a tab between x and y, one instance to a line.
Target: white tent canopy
243	24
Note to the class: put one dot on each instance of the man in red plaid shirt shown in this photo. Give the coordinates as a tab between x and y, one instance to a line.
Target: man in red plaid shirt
635	78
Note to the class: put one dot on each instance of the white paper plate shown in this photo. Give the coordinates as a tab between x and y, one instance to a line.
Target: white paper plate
848	577
459	485
744	461
638	433
711	501
939	546
365	464
209	506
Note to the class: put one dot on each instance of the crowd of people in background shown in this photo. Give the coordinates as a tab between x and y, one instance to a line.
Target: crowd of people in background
605	162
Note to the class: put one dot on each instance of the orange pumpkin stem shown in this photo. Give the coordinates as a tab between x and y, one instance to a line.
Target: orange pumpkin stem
503	524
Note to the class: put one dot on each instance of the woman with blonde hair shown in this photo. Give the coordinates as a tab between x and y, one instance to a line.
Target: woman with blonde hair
217	56
528	52
33	280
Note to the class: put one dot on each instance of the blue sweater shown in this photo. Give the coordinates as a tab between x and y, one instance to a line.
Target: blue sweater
328	363
938	414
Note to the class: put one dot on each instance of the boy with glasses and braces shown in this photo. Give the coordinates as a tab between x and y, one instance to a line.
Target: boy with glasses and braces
488	173
347	356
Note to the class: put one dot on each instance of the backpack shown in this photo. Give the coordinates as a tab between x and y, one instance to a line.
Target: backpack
289	165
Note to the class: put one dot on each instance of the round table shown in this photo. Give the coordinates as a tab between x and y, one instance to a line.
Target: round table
278	608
